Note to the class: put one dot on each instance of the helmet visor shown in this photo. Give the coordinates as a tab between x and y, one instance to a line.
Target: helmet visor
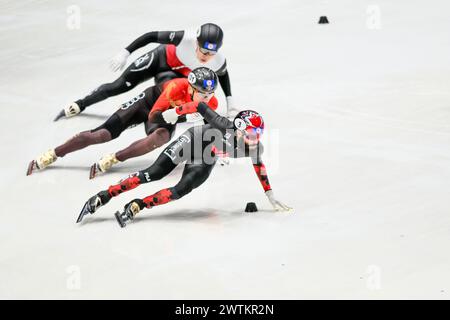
204	86
208	48
252	135
207	52
204	95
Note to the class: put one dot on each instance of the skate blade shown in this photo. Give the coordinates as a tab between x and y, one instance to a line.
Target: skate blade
31	167
119	219
83	212
60	115
93	172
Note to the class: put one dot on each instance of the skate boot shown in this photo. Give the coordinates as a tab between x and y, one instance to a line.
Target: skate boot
103	165
42	162
95	202
70	111
129	212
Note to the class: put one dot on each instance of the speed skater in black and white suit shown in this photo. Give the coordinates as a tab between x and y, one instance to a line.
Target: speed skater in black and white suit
179	53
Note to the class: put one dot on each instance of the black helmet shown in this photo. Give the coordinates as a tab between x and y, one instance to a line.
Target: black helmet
203	79
210	36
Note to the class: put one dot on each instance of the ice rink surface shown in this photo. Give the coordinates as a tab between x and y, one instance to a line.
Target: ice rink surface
357	115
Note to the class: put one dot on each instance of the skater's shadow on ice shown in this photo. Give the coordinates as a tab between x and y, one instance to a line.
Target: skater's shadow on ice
95	220
125	168
65	167
142	164
185	215
207	216
93	116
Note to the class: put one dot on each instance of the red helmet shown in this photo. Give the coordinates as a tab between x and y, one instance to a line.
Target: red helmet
251	124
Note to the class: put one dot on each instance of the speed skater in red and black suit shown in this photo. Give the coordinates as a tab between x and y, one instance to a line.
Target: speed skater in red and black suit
146	108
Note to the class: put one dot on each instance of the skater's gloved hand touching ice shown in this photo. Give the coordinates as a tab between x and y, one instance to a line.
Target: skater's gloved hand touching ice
261	172
119	60
276	204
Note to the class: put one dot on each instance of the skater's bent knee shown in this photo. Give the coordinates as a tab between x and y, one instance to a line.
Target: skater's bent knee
163	135
111	129
83	137
94	137
175	195
158	138
182	190
102	136
119	86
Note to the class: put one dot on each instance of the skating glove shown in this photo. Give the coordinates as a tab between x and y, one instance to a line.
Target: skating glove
170	116
119	60
232	111
193	117
276	204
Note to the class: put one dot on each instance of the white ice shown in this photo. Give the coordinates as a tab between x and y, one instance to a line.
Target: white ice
360	108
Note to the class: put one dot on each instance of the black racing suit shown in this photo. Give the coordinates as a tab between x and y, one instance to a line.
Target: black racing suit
151	64
134	112
198	148
130	114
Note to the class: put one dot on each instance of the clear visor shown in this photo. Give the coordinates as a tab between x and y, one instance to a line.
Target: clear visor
206	51
204	95
252	135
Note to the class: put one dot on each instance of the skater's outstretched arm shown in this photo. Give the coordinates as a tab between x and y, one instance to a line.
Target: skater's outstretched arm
224	80
164	113
261	173
163	37
205	110
213	118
